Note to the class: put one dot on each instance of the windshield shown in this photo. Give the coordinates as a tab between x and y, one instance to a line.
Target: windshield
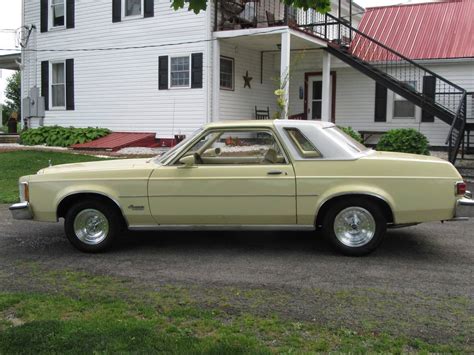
347	140
165	158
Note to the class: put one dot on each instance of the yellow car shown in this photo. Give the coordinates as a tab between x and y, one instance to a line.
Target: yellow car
250	175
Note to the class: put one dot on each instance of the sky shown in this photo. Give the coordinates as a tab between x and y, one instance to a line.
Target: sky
10	19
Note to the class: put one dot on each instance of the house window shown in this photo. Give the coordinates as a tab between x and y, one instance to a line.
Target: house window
227	73
179	72
58	13
58	85
402	108
132	8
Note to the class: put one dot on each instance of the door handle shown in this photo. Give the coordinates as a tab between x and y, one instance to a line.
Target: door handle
275	172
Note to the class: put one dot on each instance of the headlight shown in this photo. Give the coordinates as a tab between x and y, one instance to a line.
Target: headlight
24	192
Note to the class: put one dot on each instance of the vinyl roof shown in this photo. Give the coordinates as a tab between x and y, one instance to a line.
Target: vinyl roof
436	30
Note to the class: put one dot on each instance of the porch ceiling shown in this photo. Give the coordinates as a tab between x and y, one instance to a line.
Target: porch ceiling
10	61
268	39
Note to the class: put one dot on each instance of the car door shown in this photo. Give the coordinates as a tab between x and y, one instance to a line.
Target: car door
240	177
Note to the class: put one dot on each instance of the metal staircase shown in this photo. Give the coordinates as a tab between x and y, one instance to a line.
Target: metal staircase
436	95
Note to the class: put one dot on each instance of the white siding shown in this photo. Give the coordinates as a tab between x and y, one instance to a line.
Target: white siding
119	89
355	99
240	103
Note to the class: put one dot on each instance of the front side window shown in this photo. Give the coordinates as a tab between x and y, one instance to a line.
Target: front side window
302	144
402	108
133	7
250	147
58	13
58	85
227	73
179	72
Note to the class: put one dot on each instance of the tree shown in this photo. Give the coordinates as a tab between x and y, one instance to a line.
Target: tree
13	93
197	6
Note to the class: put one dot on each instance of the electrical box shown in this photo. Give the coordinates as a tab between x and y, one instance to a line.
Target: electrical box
33	105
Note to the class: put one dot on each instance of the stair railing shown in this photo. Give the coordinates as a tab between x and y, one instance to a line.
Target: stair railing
339	33
457	130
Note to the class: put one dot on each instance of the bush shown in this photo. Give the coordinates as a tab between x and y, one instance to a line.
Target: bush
404	140
57	136
351	132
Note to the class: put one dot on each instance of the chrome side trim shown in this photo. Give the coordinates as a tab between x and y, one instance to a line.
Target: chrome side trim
21	211
222	227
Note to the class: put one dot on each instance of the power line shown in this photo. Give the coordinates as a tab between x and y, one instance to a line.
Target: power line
132	47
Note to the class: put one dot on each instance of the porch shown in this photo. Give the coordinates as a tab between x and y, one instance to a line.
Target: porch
282	70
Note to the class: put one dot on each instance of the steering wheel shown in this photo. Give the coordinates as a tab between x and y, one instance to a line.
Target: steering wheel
198	158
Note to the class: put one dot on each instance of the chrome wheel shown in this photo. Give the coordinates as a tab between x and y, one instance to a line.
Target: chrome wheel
91	226
354	226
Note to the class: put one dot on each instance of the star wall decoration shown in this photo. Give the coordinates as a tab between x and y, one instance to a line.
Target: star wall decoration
247	80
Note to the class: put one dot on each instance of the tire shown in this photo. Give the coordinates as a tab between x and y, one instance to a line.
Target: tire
354	226
92	225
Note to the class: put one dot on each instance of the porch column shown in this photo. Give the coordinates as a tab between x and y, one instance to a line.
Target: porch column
285	70
326	88
216	65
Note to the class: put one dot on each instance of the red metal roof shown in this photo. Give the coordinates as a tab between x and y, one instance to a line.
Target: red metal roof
118	140
423	31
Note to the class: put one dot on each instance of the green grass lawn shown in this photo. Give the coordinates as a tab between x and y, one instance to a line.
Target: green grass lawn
27	162
87	313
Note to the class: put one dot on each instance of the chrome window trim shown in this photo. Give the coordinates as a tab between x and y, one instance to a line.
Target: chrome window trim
232	129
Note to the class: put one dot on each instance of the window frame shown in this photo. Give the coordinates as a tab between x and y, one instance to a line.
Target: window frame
171	87
305	154
233	73
51	106
413	83
51	16
132	17
175	161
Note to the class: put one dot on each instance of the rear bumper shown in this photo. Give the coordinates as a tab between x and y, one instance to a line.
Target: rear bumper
465	207
21	211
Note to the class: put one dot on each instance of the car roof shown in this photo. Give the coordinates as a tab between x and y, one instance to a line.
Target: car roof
266	123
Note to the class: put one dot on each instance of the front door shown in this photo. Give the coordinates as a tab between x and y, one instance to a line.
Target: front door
240	177
315	98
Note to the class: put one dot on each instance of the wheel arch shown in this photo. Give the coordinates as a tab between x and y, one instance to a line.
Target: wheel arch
68	200
326	204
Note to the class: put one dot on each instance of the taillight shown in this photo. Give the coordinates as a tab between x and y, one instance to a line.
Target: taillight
461	188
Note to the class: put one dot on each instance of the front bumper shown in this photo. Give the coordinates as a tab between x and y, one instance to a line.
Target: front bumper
465	207
21	211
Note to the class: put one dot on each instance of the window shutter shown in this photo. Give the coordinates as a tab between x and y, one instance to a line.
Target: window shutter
149	10
44	15
116	10
163	72
70	13
45	83
429	90
69	84
380	103
196	70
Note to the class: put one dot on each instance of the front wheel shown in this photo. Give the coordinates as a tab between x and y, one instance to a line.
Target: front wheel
355	227
92	225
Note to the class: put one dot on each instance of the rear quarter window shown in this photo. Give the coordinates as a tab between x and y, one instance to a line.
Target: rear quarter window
302	144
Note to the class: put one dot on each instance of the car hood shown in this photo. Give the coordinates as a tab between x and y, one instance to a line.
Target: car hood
119	164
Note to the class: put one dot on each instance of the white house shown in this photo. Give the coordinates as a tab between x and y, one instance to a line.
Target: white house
138	65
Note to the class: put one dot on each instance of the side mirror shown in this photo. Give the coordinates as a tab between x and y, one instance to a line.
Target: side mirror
188	161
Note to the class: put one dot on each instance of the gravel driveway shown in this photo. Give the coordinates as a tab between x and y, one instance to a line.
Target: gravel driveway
433	257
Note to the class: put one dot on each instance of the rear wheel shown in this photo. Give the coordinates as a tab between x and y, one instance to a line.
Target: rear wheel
355	226
92	225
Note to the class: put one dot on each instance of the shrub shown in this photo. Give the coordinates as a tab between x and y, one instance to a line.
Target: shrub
57	136
351	132
404	140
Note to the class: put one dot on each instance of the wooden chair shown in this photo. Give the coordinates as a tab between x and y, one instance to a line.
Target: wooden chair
262	114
